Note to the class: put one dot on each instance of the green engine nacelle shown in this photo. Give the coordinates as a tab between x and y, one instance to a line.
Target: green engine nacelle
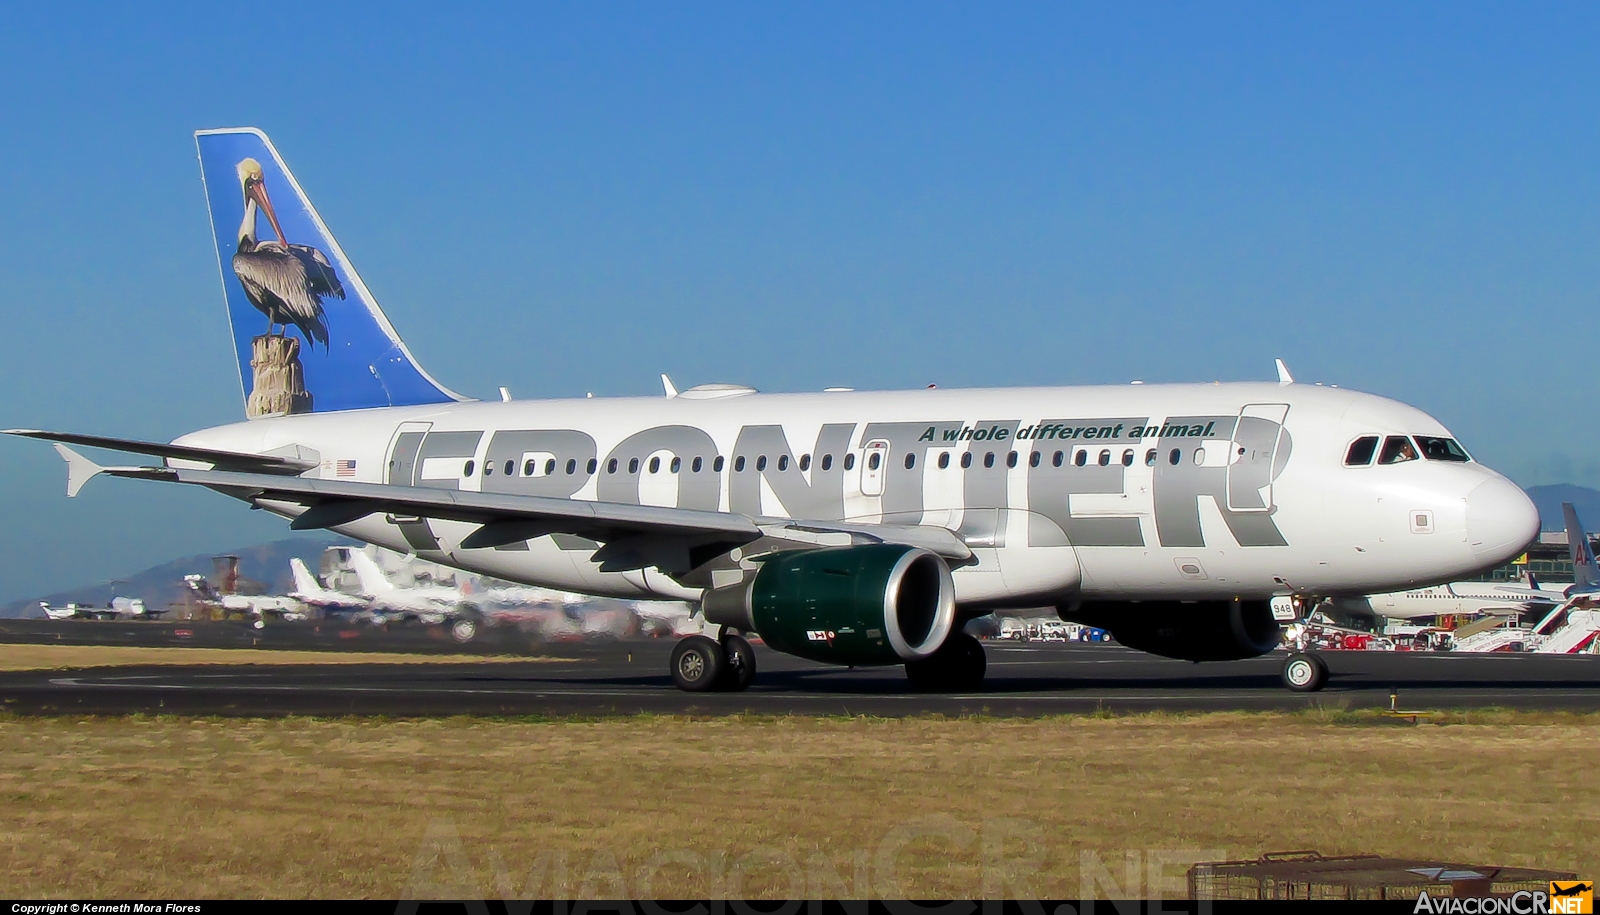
871	604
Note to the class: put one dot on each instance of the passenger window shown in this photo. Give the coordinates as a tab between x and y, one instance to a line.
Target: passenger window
874	460
677	464
1034	458
1150	458
1175	457
1127	458
738	464
1056	461
633	465
911	461
1200	456
1011	459
944	460
966	459
527	467
850	461
761	462
1105	458
1397	449
572	466
827	462
488	469
655	465
805	462
550	467
466	471
593	465
988	459
511	468
696	464
611	466
1361	451
783	462
716	465
1081	458
1442	449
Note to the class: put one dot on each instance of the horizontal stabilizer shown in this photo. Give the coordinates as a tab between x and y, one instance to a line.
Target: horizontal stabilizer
80	469
222	460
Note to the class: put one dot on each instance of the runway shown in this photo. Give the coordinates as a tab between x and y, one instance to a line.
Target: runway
630	677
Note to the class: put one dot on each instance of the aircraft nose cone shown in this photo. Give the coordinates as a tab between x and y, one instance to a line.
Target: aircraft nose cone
1501	520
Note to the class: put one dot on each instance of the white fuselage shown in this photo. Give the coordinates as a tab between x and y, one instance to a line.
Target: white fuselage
1159	491
1462	598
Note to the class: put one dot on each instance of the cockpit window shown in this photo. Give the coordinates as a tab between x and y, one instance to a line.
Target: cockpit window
1397	449
1435	448
1361	451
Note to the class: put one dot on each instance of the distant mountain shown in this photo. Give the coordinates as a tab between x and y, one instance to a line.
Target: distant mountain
1549	499
267	563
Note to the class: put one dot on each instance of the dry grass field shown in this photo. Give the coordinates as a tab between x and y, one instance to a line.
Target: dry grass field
172	807
64	657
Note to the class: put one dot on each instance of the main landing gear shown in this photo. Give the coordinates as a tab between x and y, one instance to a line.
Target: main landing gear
1304	672
700	664
958	666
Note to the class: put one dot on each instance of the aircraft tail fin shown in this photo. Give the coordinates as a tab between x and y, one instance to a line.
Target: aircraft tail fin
308	334
304	582
372	579
1585	573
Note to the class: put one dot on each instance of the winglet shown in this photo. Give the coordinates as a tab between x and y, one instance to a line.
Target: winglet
666	383
80	469
1283	373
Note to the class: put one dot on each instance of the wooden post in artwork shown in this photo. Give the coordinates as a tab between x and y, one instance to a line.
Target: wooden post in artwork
279	385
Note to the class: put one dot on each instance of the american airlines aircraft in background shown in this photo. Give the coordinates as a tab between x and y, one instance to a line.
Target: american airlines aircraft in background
841	526
1469	598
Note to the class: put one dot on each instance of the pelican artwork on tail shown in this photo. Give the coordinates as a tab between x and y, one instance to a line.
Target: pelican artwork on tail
284	282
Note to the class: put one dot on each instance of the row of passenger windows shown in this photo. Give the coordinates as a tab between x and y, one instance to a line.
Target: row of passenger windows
1397	449
874	459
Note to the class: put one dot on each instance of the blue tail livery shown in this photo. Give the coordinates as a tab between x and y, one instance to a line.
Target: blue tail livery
308	335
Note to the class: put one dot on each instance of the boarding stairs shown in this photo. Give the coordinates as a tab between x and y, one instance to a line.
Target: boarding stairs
1506	638
1575	632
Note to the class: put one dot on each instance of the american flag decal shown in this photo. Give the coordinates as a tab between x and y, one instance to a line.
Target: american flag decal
344	468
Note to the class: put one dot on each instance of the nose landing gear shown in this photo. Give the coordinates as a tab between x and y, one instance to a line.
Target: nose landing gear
1304	672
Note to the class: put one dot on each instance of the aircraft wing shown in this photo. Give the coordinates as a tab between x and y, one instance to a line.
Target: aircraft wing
224	460
674	540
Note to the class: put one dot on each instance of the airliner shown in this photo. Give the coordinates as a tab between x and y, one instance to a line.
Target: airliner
1469	598
842	526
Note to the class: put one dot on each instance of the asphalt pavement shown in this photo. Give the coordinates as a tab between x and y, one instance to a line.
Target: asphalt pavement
627	677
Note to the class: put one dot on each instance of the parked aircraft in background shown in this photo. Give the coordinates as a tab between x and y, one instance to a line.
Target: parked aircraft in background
308	590
845	527
259	608
1473	598
432	605
119	608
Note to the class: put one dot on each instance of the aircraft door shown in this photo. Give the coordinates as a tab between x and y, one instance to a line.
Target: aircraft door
873	460
402	469
1252	454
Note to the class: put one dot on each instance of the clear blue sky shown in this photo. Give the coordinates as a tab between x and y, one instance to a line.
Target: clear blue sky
1397	198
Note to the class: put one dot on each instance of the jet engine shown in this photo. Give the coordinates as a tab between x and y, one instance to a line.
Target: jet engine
870	604
1207	630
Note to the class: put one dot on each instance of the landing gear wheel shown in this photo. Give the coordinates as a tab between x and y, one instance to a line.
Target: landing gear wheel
463	630
697	664
957	666
1305	673
740	668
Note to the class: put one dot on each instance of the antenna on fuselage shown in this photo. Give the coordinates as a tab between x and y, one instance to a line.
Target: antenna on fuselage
668	386
1283	373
